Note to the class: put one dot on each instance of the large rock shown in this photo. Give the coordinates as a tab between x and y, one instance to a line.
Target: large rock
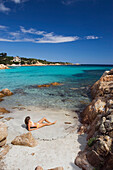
25	140
38	168
2	66
6	92
104	86
1	95
82	162
3	110
3	134
93	127
3	151
109	163
97	106
99	117
103	145
94	158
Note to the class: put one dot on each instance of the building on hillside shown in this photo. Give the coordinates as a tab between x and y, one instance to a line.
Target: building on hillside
16	59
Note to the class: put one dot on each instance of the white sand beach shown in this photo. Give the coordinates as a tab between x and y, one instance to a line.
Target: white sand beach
58	144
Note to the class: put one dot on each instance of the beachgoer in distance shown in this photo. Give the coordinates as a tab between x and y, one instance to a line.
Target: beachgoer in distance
33	126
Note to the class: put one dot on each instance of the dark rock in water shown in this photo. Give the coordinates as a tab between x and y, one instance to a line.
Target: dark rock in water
20	91
63	100
21	108
50	94
20	105
61	94
84	95
44	85
84	102
48	85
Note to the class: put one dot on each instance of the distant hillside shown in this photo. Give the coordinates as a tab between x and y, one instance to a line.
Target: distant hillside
9	60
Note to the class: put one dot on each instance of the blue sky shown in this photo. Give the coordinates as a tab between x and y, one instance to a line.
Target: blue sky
78	31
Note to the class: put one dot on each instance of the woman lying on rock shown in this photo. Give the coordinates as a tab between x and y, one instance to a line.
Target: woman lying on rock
33	126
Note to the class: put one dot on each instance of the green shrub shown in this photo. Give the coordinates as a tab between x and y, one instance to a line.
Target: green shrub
91	141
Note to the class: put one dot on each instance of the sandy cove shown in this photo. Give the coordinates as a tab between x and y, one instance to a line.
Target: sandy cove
58	144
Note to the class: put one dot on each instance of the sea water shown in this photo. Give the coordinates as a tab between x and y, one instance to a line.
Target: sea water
73	94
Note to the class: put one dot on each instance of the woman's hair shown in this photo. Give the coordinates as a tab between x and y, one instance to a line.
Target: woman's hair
27	120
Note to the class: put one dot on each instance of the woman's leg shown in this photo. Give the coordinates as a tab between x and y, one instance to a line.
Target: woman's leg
43	119
46	124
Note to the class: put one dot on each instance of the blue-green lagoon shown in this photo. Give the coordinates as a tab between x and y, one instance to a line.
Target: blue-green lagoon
73	94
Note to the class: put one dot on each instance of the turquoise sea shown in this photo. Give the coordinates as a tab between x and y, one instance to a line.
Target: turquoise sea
73	95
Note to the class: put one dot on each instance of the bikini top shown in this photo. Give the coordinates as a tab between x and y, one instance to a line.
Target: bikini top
32	123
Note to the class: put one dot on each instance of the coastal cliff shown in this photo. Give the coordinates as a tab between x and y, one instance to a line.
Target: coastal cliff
97	119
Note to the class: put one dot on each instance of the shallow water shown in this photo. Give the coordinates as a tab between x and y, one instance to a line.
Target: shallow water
74	94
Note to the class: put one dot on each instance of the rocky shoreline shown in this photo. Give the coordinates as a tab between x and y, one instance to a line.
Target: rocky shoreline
97	119
2	66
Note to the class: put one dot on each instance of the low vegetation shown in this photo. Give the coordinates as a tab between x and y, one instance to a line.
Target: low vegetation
9	60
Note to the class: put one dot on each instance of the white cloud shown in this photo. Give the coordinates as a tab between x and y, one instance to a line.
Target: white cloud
16	1
6	40
19	1
2	27
15	34
17	40
31	31
37	36
50	38
3	8
91	37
